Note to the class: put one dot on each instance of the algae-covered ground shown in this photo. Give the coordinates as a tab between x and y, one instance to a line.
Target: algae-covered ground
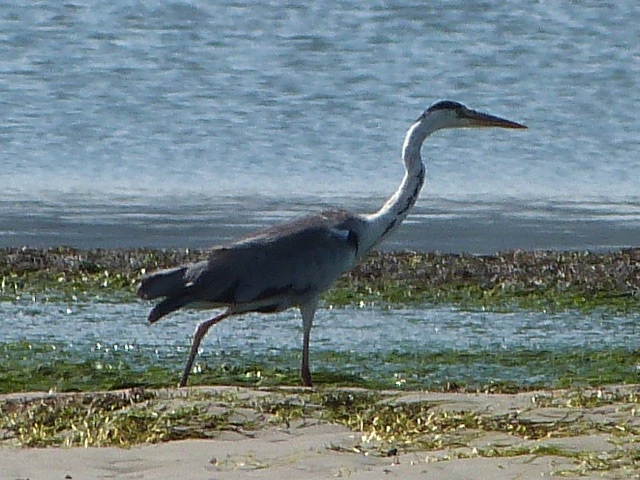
607	283
592	433
544	280
589	429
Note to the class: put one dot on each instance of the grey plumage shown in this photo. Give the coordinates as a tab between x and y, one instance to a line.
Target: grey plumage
290	265
310	253
272	270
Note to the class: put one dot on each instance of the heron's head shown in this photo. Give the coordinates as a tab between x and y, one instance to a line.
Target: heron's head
448	114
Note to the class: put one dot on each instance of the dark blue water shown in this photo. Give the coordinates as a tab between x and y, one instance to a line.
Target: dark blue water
187	123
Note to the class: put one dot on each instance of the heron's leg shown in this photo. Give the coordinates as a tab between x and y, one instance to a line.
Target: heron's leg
308	311
201	331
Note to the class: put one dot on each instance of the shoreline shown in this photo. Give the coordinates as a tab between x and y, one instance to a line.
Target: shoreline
436	224
66	259
571	279
537	292
328	433
272	433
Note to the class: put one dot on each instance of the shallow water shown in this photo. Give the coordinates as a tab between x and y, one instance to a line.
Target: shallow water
428	346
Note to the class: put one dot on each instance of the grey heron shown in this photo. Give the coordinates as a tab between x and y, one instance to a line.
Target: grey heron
290	265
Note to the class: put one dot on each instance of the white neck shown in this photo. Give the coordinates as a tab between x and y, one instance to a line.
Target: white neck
395	210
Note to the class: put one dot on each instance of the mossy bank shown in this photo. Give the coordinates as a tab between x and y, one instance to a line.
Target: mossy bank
543	280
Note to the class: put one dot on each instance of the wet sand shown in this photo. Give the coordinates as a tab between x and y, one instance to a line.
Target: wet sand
433	226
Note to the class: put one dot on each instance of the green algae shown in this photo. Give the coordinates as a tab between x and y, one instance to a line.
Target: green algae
387	423
543	281
28	366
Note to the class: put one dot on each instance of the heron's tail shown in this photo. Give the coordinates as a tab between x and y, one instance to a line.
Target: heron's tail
164	283
167	306
170	283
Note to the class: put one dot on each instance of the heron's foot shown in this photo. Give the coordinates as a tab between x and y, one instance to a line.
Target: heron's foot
306	379
185	377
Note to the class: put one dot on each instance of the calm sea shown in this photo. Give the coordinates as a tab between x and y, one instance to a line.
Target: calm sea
143	123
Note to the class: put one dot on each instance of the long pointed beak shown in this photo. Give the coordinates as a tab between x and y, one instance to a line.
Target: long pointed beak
479	119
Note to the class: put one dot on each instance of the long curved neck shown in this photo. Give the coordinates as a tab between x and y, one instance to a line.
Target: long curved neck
395	210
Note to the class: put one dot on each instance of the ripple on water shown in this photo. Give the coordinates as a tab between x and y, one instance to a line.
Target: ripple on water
424	345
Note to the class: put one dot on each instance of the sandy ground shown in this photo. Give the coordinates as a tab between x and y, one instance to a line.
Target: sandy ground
609	447
273	455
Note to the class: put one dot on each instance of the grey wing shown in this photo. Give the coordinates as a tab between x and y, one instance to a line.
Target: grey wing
278	272
272	270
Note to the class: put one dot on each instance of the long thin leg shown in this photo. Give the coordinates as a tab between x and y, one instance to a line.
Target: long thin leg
201	331
308	311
